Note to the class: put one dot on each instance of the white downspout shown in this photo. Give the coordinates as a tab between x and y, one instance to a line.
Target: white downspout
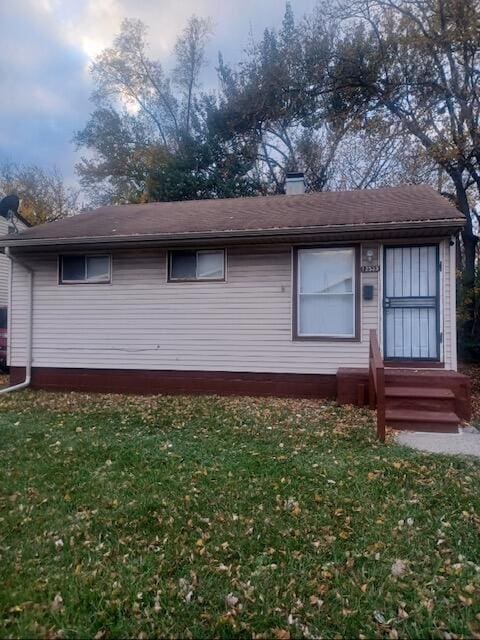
28	364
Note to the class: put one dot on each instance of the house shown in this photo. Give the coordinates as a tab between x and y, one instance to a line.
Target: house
18	223
273	295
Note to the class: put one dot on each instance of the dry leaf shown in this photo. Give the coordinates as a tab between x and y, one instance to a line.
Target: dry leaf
296	511
57	604
402	614
379	617
231	600
315	601
398	568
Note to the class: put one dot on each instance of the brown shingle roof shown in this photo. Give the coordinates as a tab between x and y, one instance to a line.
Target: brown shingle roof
259	215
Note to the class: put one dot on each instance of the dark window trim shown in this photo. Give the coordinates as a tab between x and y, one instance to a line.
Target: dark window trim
83	282
357	299
196	249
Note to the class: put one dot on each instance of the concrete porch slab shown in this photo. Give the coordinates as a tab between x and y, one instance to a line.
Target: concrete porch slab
466	442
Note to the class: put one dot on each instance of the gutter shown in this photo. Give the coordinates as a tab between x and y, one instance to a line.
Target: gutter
28	364
168	238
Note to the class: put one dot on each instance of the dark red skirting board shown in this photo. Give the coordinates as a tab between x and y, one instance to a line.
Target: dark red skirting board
140	381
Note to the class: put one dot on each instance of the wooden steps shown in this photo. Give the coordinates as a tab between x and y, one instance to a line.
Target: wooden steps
420	420
416	399
426	407
423	398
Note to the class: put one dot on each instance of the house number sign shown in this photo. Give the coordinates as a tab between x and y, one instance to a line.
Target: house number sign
370	268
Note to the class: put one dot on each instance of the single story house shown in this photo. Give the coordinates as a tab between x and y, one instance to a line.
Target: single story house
268	295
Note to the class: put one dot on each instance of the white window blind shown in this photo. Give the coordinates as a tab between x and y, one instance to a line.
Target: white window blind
326	292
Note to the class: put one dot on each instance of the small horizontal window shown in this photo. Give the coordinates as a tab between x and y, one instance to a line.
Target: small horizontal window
197	265
86	269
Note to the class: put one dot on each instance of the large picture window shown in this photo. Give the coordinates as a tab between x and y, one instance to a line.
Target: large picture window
85	269
326	289
197	265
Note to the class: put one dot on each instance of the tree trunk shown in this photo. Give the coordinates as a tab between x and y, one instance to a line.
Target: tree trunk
470	240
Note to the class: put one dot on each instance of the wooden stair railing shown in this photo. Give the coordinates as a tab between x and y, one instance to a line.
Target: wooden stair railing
376	383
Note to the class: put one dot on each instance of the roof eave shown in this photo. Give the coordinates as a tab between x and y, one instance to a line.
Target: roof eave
444	224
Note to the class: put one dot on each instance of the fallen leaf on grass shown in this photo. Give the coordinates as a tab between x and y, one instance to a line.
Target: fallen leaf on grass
315	601
57	604
398	568
231	601
379	617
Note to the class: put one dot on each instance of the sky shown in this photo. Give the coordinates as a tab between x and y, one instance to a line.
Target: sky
47	46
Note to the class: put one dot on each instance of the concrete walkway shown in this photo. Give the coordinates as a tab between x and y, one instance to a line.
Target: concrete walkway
466	442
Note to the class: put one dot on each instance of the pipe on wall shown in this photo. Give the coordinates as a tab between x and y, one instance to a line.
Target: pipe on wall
28	363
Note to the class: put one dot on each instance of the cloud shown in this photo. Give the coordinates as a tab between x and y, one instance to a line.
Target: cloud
44	88
48	46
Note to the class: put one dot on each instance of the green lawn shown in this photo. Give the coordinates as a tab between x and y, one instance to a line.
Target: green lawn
235	517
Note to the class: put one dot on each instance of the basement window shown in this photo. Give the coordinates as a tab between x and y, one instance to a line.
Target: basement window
188	266
85	269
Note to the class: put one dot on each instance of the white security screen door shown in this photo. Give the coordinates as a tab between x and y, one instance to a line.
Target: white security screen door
411	304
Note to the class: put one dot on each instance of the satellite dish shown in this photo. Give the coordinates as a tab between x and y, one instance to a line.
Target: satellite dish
9	205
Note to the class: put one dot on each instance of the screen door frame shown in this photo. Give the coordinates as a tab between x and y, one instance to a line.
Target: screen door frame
386	305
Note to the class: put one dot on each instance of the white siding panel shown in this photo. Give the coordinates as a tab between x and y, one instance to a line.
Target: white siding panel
448	300
140	321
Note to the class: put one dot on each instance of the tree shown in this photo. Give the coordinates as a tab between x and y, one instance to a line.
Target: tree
123	153
267	99
149	142
43	194
415	64
379	156
190	54
211	163
281	97
129	82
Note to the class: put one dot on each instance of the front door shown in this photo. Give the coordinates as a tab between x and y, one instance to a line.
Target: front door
411	303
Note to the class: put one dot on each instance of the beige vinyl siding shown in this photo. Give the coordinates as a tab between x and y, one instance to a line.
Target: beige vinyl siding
140	321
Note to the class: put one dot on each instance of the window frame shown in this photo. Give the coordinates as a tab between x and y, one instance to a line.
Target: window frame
61	281
197	251
356	296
